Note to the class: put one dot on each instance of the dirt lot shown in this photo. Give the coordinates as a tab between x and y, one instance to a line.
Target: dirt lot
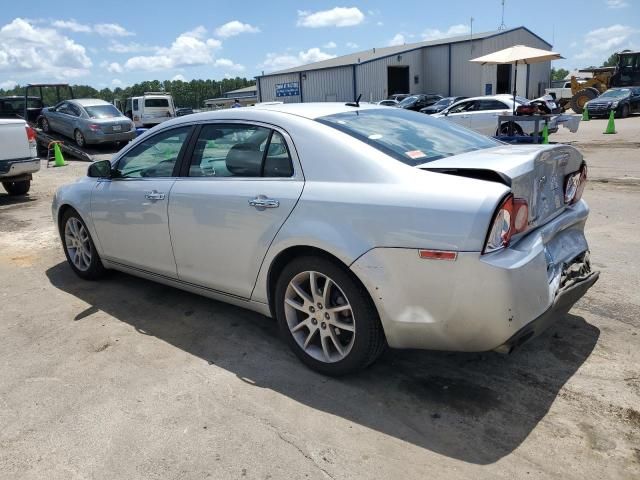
128	379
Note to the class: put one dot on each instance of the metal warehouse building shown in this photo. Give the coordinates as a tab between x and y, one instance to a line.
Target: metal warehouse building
440	66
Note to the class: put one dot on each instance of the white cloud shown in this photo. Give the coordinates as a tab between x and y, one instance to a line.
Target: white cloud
605	41
452	31
398	39
189	49
336	17
235	27
31	51
114	67
617	3
131	47
178	77
8	84
275	61
352	45
111	30
380	24
330	45
226	63
116	82
71	25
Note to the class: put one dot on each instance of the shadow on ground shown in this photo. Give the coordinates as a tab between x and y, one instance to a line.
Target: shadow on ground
473	407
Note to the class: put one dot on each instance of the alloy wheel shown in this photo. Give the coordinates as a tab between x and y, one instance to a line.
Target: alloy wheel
319	316
76	239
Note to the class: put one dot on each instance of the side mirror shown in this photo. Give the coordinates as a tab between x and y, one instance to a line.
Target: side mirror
100	169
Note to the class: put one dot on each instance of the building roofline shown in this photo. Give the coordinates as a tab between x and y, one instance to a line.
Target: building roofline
411	48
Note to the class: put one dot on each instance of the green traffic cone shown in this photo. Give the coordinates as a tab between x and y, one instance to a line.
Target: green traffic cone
611	125
57	155
545	134
585	114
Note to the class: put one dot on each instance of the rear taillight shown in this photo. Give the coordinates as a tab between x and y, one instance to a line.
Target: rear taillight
31	134
511	217
574	185
94	127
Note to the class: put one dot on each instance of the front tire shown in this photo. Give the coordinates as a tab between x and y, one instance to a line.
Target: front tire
505	129
17	188
327	317
624	113
79	248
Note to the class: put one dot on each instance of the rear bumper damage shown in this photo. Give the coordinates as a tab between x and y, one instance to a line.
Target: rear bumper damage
480	302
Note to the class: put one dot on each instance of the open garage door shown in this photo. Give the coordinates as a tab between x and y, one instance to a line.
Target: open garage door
397	80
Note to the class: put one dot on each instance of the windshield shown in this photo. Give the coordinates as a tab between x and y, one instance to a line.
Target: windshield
408	101
156	102
445	102
619	93
410	137
102	111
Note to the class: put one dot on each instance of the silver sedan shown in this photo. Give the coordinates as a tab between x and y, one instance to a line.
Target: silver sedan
356	227
88	121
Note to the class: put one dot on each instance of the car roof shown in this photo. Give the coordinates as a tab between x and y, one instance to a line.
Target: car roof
310	110
88	102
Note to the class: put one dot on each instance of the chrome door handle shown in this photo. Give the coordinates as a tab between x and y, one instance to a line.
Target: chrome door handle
263	202
154	195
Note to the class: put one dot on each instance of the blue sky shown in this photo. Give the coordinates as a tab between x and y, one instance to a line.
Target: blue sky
117	43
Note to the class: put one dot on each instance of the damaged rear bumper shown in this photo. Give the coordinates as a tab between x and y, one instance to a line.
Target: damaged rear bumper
577	278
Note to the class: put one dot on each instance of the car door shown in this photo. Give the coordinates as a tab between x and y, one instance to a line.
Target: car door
484	118
460	113
129	211
54	116
71	119
237	189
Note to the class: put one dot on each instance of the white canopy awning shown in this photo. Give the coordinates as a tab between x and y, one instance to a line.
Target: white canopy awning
518	54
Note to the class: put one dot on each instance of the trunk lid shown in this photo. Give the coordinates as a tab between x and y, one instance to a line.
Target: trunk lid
533	172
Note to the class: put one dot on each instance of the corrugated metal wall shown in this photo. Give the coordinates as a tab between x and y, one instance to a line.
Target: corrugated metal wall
268	88
431	67
435	61
330	85
371	77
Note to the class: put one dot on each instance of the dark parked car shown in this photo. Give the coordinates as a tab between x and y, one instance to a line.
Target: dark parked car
419	101
441	105
622	101
181	112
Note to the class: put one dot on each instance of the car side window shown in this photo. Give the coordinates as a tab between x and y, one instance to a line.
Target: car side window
63	108
74	110
155	156
135	104
491	105
277	163
234	150
462	107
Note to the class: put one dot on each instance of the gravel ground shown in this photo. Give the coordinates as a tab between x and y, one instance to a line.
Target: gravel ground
125	378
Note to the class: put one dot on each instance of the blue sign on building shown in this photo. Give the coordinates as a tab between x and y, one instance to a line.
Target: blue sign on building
290	89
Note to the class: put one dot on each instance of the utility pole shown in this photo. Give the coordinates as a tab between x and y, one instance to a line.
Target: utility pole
471	33
502	25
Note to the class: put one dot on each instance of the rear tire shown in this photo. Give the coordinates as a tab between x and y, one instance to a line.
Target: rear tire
504	129
79	248
334	331
79	138
17	188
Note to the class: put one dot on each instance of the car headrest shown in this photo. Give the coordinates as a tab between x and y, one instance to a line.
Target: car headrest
245	160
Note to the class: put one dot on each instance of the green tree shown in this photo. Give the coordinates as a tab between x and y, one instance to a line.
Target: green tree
185	94
612	61
559	74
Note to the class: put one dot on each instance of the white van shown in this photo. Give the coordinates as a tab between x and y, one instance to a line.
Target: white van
150	109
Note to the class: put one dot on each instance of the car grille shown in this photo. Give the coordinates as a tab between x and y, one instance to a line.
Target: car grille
598	107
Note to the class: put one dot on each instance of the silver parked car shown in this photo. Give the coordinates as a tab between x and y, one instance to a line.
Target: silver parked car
354	226
88	121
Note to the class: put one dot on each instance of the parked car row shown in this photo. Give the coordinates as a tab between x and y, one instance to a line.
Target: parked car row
622	101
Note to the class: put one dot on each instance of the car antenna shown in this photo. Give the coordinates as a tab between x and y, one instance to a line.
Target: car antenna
356	103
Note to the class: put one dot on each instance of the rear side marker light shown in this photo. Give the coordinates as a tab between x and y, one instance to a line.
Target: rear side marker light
438	255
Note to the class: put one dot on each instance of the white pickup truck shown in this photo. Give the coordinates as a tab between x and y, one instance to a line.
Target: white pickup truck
18	155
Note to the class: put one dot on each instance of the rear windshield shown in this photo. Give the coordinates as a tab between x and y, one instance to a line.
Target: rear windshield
411	137
103	111
156	102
